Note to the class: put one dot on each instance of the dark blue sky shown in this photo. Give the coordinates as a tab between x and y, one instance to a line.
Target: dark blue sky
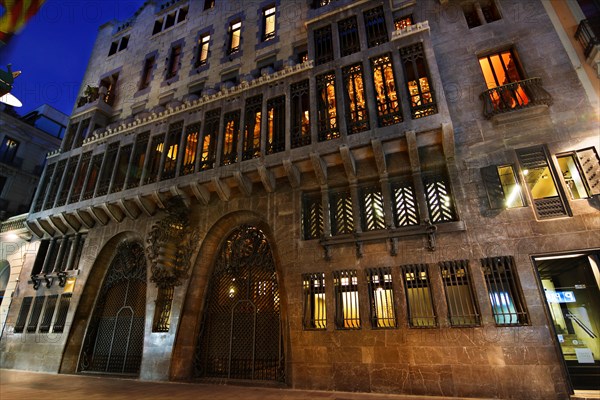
54	47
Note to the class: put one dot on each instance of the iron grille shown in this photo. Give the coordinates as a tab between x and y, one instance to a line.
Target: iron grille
208	145
312	216
241	334
92	179
418	82
57	177
357	115
115	335
327	107
36	311
314	306
506	297
372	208
386	93
190	147
421	313
67	181
439	199
121	172
108	166
40	257
349	40
323	45
48	313
381	297
79	178
157	148
134	175
347	312
252	127
460	298
231	129
300	114
275	125
171	151
162	310
23	313
406	212
44	187
375	26
61	313
340	208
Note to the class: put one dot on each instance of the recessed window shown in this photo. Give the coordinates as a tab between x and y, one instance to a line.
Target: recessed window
268	23
172	147
403	22
157	147
252	128
80	177
67	181
158	24
503	78
340	210
121	168
208	145
386	94
381	296
300	114
371	204
8	150
118	45
174	62
235	37
106	172
502	186
147	72
406	212
312	216
417	288
137	160
314	305
480	12
418	82
506	297
231	129
460	298
375	27
327	122
23	313
203	48
170	20
439	198
347	312
323	45
190	146
357	115
573	172
275	125
349	40
61	313
208	4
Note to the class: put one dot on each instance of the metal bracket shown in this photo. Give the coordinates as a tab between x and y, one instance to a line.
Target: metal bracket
62	278
430	229
36	282
48	280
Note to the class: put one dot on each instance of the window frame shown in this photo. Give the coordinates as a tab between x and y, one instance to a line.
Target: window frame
347	300
314	313
231	31
272	9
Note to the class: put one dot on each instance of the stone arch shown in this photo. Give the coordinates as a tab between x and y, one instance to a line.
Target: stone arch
195	299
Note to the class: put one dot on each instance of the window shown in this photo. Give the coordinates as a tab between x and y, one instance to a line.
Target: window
137	160
48	313
357	115
381	297
94	170
420	93
147	72
349	40
8	150
300	114
502	187
312	216
108	167
190	147
56	179
121	168
118	45
406	212
403	22
460	298
275	125
340	209
113	48
157	147
347	313
231	130
506	297
23	313
268	23
314	306
43	187
182	14
375	26
581	172
372	208
209	139
82	133
235	32
61	313
80	177
503	78
439	198
386	95
58	255
67	181
252	127
3	180
421	313
327	107
208	4
174	62
474	11
162	312
203	48
170	162
124	43
323	45
170	20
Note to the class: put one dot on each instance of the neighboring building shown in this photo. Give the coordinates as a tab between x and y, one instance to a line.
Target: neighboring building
379	196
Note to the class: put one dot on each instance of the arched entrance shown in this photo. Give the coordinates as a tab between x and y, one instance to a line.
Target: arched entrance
241	336
115	335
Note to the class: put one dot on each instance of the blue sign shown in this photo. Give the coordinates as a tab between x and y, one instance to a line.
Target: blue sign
566	296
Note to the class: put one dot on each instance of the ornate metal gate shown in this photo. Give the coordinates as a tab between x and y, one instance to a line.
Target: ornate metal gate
241	331
115	337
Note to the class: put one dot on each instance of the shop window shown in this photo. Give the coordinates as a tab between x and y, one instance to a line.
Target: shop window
209	139
157	148
174	62
502	186
55	184
231	129
61	313
314	305
371	204
8	150
386	94
375	26
323	45
421	313
357	115
203	50
190	147
381	297
80	177
121	168
403	22
92	179
347	312
300	114
162	311
439	200
147	72
108	166
312	216
137	160
327	122
268	23
67	181
172	151
418	82
23	313
505	294
503	78
252	128
349	39
581	172
275	125
235	32
340	209
460	298
406	212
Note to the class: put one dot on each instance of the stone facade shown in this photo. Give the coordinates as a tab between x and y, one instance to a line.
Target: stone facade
443	145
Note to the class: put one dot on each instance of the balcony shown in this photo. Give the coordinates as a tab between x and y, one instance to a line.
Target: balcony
94	98
515	96
588	35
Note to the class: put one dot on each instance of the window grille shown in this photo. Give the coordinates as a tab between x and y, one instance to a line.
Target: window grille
106	169
157	147
347	313
138	159
300	114
94	170
121	172
386	94
67	181
506	297
23	313
372	208
375	26
60	169
349	40
439	199
327	107
381	297
323	45
209	139
162	310
52	255
406	212
252	128
36	311
61	313
418	82
172	151
340	208
79	178
190	147
231	129
460	298
44	188
48	313
357	115
312	216
315	309
421	313
275	125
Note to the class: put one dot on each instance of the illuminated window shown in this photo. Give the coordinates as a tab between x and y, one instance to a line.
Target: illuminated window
312	216
8	150
208	145
268	23
406	212
170	156
403	22
162	311
349	40
190	147
80	177
340	209
371	202
203	48
157	147
347	313
147	72
231	129
300	114
381	297
503	78
275	125
357	115
121	169
252	126
235	32
418	83
581	172
137	160
421	313
375	26
460	298
388	106
174	62
502	187
323	45
314	306
506	297
439	198
327	107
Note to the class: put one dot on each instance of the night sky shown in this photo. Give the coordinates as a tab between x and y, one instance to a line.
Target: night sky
54	47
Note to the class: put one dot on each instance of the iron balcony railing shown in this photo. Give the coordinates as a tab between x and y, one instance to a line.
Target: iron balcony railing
588	34
514	96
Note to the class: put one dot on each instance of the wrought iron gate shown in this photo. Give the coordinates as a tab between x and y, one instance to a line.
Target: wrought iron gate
115	337
241	334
